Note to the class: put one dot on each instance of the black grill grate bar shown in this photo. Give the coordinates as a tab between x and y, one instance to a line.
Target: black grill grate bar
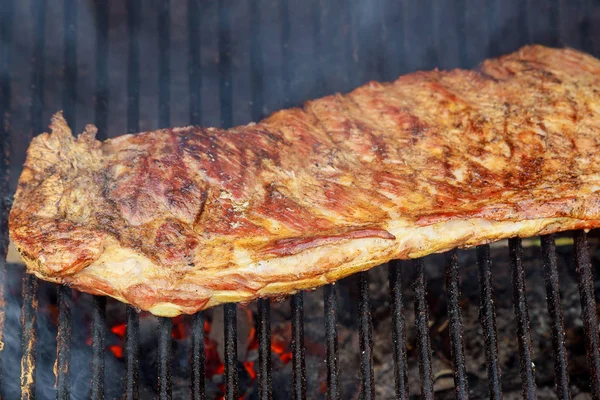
522	317
285	57
398	330
422	325
263	305
37	67
230	335
225	68
487	316
194	65
5	149
30	283
132	351
132	334
331	340
461	385
164	70
98	345
298	361
365	339
198	356
263	330
63	343
561	373
64	299
588	310
256	62
165	326
29	336
3	251
70	80
101	101
133	66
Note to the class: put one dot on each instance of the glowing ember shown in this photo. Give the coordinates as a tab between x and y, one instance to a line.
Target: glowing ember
249	367
116	350
214	365
119	330
179	330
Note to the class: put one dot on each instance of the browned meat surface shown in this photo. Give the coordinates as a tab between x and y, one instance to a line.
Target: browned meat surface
182	219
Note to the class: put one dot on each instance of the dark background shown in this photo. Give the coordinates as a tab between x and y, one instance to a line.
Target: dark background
137	65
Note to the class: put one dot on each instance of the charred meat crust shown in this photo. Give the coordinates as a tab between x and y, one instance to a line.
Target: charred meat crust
180	219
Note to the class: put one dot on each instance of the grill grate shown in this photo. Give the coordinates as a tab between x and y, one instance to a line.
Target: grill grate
366	340
461	388
422	324
558	337
523	331
398	331
588	310
298	361
488	321
98	340
197	347
132	352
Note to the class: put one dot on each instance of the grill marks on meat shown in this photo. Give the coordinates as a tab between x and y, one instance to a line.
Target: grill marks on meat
180	219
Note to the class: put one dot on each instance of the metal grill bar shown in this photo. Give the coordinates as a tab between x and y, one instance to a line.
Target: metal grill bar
63	337
133	66
194	61
256	62
285	40
198	356
165	326
164	70
225	93
263	305
37	66
331	339
230	334
298	361
98	345
70	81
422	325
522	316
264	349
487	317
3	252
132	334
63	343
101	104
561	373
398	330
461	385
588	310
30	283
225	71
365	339
5	149
132	352
29	336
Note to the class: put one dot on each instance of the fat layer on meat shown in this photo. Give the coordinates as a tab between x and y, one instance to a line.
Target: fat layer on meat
177	220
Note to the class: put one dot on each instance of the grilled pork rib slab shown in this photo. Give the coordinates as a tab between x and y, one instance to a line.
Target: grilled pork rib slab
177	220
